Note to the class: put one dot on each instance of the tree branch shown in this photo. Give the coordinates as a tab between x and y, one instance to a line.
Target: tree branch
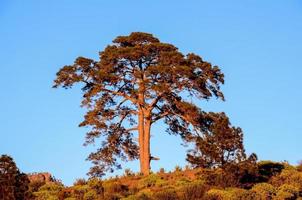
132	129
158	117
154	102
120	94
120	104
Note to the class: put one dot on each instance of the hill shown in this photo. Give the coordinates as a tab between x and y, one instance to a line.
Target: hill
265	180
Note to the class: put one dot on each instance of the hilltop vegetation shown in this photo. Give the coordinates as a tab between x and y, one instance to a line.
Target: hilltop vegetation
265	180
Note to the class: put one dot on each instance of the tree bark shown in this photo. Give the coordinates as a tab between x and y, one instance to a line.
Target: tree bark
147	128
144	127
141	139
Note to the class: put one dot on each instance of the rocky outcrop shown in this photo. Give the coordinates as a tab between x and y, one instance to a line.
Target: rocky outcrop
41	177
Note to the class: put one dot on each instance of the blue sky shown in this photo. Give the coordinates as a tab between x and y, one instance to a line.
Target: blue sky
256	43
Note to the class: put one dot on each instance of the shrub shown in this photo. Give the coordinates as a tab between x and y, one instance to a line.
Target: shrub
90	195
79	191
192	191
291	177
182	182
149	181
130	197
133	188
166	195
243	174
35	185
161	182
143	197
267	169
264	190
114	187
177	168
80	181
65	193
49	191
231	194
162	170
242	194
218	177
215	194
144	194
112	196
96	185
287	191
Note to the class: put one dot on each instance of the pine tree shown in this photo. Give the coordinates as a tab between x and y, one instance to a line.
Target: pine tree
136	82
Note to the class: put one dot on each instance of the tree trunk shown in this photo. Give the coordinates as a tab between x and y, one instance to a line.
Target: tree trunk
144	125
141	139
147	127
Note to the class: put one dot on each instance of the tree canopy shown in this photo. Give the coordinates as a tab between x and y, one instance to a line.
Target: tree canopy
13	183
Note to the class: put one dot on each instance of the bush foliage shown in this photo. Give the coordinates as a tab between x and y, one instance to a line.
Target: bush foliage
264	180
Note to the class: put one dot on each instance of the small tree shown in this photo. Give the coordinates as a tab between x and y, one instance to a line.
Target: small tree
137	81
220	143
13	184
